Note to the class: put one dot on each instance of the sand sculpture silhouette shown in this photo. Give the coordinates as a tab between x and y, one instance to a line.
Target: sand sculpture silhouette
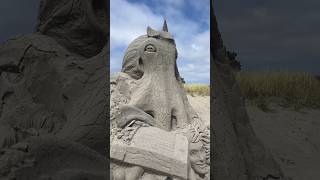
238	153
155	131
53	106
52	89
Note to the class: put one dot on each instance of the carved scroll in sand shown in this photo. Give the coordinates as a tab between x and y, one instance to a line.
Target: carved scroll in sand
154	149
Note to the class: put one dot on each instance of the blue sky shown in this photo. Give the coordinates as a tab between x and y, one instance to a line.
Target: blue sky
188	21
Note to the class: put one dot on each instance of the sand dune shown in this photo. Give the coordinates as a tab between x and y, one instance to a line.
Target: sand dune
201	105
293	137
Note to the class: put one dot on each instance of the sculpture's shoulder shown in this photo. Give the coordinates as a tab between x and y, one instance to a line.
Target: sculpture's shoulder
121	85
38	40
14	50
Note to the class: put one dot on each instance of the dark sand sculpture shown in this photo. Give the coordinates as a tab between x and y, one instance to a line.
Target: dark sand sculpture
155	133
52	106
238	153
52	89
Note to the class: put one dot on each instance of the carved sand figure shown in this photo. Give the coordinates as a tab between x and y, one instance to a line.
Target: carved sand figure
149	112
199	153
151	60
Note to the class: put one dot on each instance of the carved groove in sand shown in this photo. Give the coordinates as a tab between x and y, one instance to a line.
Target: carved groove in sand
155	133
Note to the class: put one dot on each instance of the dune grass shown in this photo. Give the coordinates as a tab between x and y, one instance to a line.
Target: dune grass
197	89
296	90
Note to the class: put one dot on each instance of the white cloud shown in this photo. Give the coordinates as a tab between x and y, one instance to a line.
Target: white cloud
130	20
195	72
195	48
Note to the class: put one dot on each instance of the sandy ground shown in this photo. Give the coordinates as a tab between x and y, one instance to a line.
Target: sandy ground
293	137
201	105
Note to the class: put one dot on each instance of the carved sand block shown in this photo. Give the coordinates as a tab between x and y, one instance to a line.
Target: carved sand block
154	149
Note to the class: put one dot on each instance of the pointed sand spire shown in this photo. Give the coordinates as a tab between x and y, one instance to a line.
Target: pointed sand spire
165	26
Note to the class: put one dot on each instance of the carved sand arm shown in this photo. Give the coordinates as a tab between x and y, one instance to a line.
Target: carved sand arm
129	113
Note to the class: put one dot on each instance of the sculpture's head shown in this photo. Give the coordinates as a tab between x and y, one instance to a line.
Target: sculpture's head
199	152
150	53
77	25
150	61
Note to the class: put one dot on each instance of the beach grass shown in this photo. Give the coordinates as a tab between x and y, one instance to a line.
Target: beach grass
197	89
294	89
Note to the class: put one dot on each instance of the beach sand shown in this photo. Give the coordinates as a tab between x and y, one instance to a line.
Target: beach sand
293	137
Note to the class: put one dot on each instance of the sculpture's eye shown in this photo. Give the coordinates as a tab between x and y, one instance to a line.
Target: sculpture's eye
193	153
150	48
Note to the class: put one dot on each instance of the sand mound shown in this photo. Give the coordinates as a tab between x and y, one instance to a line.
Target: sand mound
201	104
292	137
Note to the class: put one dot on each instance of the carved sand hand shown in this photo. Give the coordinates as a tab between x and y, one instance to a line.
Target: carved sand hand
134	173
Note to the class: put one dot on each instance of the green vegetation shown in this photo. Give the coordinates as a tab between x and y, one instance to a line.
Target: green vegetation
197	89
295	90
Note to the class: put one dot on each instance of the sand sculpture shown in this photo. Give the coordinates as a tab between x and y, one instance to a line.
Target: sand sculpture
53	107
52	89
238	153
155	133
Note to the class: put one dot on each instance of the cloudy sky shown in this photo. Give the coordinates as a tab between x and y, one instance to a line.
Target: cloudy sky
267	35
17	17
272	35
188	21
